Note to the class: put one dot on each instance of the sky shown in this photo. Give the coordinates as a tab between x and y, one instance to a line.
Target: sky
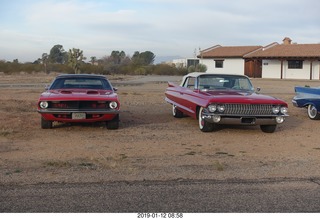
168	28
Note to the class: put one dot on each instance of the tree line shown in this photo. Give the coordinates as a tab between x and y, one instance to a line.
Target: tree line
73	61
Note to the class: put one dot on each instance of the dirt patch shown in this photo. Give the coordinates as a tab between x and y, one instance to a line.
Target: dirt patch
150	144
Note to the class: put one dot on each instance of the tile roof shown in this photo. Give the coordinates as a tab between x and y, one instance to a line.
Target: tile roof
288	51
227	51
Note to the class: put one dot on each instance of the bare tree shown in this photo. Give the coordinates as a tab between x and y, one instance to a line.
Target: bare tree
44	60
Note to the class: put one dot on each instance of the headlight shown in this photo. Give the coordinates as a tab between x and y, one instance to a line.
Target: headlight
280	119
276	109
221	108
212	108
284	110
113	105
216	118
43	104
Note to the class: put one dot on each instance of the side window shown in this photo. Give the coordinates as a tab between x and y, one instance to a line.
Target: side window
190	83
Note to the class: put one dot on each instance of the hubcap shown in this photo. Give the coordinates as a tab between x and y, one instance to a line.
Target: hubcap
174	110
312	111
201	120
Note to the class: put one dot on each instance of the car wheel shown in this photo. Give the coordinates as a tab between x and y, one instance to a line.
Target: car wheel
203	124
45	124
176	113
313	112
114	123
268	128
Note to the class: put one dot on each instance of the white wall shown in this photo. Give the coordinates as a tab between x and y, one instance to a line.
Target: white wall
180	62
272	69
316	70
230	66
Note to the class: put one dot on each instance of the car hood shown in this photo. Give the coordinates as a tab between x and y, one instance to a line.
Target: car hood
77	94
234	96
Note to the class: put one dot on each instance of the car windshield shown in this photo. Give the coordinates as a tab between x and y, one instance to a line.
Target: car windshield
214	82
81	83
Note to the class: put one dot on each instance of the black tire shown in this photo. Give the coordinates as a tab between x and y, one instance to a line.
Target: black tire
45	124
203	124
114	123
176	113
313	112
268	128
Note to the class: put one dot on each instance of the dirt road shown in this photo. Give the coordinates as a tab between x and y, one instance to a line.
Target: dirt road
150	144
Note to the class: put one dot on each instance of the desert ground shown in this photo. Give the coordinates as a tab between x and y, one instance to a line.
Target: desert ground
150	144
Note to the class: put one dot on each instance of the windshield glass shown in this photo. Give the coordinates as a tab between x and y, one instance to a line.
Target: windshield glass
80	83
214	82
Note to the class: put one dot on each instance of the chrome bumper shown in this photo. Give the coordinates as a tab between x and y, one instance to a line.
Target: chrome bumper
294	103
244	120
69	111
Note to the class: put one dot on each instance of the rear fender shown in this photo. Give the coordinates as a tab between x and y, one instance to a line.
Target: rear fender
313	104
172	84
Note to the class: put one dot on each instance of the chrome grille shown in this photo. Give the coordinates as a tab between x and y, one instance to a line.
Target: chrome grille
248	109
78	105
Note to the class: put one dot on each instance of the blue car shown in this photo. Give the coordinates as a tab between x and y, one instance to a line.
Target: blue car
308	97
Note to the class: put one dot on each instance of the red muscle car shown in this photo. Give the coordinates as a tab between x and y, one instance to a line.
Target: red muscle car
79	98
216	99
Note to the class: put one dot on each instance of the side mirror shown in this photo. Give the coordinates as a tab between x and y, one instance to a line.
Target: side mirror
46	87
115	89
258	89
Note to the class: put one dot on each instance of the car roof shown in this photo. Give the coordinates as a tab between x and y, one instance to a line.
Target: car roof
80	76
197	74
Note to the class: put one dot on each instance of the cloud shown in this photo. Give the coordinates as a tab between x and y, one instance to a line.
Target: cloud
165	27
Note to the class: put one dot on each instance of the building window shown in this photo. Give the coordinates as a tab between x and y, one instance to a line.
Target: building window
218	63
295	64
192	62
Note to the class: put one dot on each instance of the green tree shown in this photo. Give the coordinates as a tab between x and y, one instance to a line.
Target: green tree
201	68
57	54
75	59
136	58
93	60
117	57
144	58
197	68
147	57
115	63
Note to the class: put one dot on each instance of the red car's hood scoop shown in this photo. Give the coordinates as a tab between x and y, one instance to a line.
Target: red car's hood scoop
75	92
66	92
92	92
83	92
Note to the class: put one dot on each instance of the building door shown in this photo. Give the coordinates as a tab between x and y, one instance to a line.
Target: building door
253	68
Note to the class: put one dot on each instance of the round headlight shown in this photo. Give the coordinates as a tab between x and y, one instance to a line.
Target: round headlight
113	105
275	109
43	104
221	108
280	119
284	110
216	118
212	108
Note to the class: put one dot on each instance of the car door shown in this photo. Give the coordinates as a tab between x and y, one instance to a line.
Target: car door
186	95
